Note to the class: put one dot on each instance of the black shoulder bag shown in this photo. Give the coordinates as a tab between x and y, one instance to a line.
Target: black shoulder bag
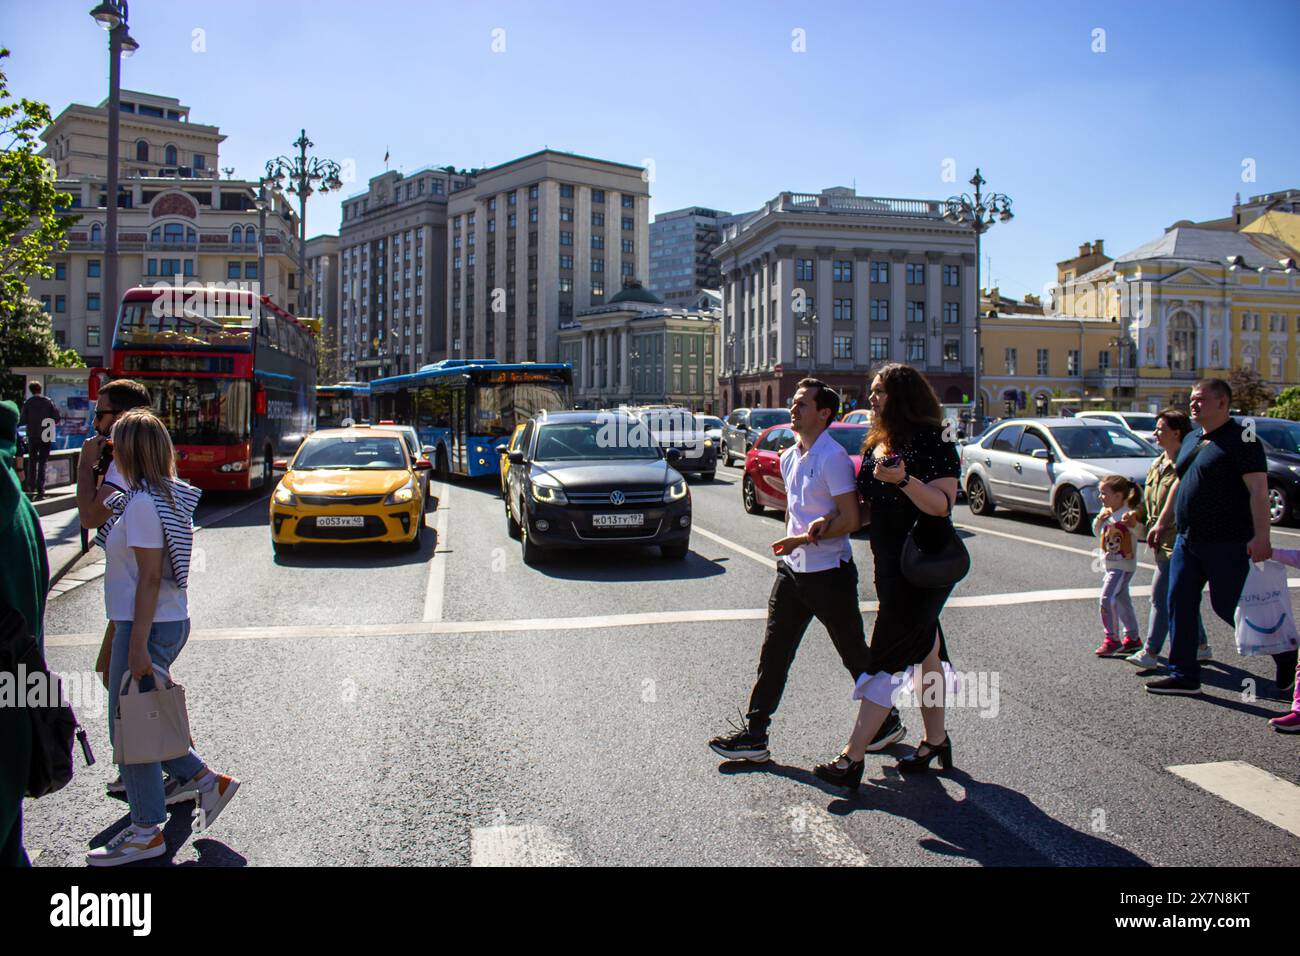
938	559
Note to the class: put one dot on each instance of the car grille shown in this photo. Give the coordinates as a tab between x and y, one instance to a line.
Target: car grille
602	498
617	534
319	501
373	528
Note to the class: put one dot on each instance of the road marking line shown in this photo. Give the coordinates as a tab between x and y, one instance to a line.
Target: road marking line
975	529
831	844
768	563
438	560
1253	790
527	845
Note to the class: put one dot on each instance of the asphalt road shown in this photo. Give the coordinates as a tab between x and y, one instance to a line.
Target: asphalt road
455	706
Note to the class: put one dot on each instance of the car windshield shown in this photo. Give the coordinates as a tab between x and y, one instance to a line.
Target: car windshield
1282	436
850	439
615	439
1101	441
1145	423
708	421
372	453
768	418
671	425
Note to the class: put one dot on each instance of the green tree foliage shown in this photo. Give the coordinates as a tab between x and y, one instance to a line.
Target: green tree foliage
1287	405
1250	394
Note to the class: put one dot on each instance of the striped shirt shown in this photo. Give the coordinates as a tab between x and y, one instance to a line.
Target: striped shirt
177	522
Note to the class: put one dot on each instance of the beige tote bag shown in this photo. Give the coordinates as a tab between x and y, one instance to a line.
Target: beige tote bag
150	726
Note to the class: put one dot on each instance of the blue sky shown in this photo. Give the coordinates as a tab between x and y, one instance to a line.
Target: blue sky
1114	145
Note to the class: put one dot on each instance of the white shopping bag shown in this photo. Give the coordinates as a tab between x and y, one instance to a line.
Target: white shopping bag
1264	622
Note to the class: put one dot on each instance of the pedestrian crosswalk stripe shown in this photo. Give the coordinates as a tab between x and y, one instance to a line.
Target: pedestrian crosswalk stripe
1253	790
822	830
526	845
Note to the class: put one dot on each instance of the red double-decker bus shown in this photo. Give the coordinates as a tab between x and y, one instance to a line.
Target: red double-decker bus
231	374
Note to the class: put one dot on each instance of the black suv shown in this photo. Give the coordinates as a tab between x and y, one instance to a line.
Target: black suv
595	480
1281	440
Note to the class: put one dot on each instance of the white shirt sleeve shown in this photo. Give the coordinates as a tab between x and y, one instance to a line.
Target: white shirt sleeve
114	477
840	479
141	524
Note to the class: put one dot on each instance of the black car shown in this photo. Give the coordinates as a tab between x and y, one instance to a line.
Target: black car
594	480
1281	440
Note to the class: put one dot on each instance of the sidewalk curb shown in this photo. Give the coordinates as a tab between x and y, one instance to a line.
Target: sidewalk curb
51	506
56	576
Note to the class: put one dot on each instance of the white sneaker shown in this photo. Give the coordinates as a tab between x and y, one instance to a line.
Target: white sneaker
1144	660
1204	653
128	846
209	803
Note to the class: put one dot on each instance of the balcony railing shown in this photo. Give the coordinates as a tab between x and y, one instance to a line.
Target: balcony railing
1110	378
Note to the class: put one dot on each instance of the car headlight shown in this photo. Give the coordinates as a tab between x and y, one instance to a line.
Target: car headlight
675	492
402	495
548	491
1295	469
283	496
708	443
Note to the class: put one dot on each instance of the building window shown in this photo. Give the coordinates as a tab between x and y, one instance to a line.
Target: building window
803	270
512	220
880	348
250	269
566	238
566	284
597	218
492	225
842	347
141	151
532	192
880	272
60	303
566	262
92	269
952	350
200	161
916	312
45	304
233	270
532	213
916	349
96	233
597	265
1042	362
597	289
952	275
951	314
879	310
1011	361
469	221
627	224
92	302
566	191
492	204
627	246
915	273
627	270
151	267
1072	362
842	310
60	270
629	202
1103	360
92	336
842	271
566	214
598	242
803	346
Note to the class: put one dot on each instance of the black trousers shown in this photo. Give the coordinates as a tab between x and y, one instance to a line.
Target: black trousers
37	455
797	597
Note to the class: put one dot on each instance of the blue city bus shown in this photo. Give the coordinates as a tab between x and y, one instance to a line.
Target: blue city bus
340	402
465	407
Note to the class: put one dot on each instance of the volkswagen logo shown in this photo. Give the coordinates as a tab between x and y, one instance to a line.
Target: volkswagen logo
617	497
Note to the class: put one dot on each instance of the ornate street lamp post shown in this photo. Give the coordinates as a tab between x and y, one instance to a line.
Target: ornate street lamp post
112	16
979	212
305	175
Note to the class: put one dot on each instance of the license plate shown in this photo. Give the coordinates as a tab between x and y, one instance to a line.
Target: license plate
343	521
618	521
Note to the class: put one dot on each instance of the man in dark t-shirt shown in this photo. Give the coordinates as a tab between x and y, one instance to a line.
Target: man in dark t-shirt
1220	507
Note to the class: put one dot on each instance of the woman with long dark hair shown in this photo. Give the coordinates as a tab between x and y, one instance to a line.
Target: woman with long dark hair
909	481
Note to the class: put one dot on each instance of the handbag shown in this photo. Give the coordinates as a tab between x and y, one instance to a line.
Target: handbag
150	726
1263	622
940	566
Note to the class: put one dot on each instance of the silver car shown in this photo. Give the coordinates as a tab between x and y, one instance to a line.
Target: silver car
1050	466
1143	424
744	425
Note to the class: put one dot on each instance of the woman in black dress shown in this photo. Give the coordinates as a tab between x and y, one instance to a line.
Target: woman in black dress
908	478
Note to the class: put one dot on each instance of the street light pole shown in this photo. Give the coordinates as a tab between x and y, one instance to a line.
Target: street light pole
305	176
979	212
262	203
112	16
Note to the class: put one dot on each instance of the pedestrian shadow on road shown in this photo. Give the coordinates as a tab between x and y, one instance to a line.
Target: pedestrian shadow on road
1232	679
991	825
178	829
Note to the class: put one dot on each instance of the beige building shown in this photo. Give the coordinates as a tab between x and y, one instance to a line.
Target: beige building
637	350
392	279
835	284
535	241
323	295
177	221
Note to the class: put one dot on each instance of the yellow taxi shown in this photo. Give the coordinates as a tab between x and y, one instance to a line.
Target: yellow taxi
506	449
349	485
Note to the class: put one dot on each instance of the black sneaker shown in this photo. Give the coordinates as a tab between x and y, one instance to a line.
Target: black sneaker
1174	685
741	744
891	732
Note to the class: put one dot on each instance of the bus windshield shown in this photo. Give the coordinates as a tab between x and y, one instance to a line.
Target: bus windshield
500	407
202	411
140	326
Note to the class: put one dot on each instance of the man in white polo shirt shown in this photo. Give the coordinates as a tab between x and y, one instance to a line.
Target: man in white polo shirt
815	577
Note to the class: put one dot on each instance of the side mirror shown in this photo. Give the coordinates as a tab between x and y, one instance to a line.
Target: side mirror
280	464
516	457
673	456
500	449
427	451
1042	454
423	465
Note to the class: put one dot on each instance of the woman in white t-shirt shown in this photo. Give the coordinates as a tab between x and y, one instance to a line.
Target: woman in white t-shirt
146	547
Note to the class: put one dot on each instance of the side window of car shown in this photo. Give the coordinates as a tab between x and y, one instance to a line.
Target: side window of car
1008	438
785	438
1032	442
526	437
768	441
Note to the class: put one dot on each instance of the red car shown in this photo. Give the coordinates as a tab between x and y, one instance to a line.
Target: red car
762	487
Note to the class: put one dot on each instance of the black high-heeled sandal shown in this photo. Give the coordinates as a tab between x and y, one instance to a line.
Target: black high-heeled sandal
850	776
920	762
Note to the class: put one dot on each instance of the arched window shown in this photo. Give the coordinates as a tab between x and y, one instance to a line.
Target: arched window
96	233
142	151
155	234
170	154
237	234
250	235
1181	353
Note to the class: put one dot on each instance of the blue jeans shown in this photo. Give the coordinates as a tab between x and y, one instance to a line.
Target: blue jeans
1158	619
144	781
1222	565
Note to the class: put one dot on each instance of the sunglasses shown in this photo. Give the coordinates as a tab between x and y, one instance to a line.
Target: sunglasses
101	413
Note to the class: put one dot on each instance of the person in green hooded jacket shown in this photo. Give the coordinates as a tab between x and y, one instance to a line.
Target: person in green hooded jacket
23	587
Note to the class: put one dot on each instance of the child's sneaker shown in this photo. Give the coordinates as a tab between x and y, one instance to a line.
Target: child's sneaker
131	844
1131	645
1144	659
1287	723
1109	648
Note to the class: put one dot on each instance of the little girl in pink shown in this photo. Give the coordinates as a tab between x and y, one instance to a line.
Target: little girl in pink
1289	723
